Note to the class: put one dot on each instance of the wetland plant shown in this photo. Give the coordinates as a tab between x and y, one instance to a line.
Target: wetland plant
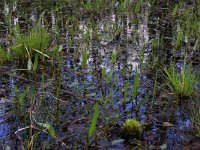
93	122
135	92
4	55
34	42
136	84
183	83
109	76
84	58
132	127
114	56
175	11
157	43
29	45
20	101
138	6
179	37
126	91
103	73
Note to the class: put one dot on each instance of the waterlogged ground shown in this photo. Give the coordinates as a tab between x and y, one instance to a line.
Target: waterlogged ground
63	95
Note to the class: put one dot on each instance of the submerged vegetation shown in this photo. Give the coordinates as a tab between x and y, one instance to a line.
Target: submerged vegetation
69	56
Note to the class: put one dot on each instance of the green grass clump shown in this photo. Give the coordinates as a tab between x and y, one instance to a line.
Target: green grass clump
132	127
36	41
4	56
182	84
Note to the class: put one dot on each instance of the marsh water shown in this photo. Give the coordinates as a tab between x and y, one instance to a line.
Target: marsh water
64	94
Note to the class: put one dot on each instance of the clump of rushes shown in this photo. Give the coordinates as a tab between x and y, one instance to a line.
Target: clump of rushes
183	83
4	55
132	128
27	45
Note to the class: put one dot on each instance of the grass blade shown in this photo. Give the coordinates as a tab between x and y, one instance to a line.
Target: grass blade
84	58
114	56
93	121
136	84
126	90
49	127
